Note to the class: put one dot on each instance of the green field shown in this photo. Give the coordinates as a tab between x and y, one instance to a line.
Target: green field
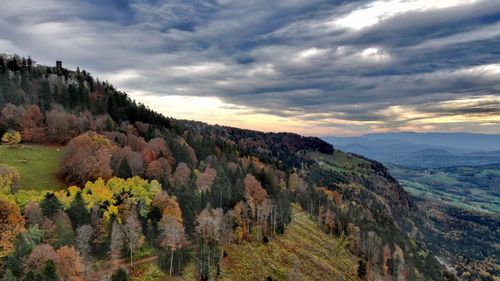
474	188
37	165
341	162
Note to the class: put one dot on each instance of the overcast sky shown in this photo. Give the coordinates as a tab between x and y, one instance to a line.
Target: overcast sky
309	66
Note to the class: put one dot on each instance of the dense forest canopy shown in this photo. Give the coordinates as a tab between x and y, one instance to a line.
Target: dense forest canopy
137	180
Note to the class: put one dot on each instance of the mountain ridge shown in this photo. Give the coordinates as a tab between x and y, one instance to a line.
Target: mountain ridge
358	194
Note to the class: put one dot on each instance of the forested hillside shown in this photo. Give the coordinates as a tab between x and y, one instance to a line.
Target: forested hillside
143	185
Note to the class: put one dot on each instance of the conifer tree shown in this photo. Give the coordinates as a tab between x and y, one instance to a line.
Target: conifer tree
120	275
78	212
123	170
50	272
50	205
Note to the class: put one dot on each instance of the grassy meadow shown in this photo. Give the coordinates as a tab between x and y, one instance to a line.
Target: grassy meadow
36	164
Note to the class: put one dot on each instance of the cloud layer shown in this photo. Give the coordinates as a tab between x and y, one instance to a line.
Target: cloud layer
316	67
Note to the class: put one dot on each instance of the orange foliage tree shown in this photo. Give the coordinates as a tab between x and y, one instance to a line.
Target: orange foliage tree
87	158
11	224
69	265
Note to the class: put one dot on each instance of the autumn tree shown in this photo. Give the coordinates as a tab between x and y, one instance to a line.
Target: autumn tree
11	224
400	270
38	258
171	235
293	182
117	241
32	125
206	179
33	214
254	190
84	235
263	212
11	138
9	114
386	259
182	174
69	265
328	220
132	231
155	149
158	169
241	220
208	228
61	126
171	226
87	158
9	179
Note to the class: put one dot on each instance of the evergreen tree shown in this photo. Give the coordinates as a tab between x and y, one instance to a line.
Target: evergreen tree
120	275
188	199
361	268
2	99
45	96
73	97
50	205
23	245
8	276
30	276
50	272
15	260
123	170
78	212
25	83
220	193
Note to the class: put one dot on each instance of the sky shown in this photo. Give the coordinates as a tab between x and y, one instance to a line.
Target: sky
314	67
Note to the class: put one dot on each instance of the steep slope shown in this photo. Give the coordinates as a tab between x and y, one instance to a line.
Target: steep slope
303	252
252	173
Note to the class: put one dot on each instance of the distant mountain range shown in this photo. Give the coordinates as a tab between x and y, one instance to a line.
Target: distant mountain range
427	150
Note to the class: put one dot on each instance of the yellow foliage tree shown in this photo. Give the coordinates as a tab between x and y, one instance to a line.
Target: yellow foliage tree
97	193
67	196
11	137
100	192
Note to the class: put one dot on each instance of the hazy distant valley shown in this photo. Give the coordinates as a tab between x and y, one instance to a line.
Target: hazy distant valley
440	166
452	181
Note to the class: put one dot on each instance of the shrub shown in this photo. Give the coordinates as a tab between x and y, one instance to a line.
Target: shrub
11	137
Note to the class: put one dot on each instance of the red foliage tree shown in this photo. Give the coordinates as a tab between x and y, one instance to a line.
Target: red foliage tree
87	158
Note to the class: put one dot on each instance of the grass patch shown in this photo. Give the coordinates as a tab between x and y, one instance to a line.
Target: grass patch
36	164
304	249
341	162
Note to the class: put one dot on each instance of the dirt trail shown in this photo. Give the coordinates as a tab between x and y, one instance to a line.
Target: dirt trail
98	275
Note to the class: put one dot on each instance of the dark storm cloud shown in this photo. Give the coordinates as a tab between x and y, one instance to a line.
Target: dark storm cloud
296	59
